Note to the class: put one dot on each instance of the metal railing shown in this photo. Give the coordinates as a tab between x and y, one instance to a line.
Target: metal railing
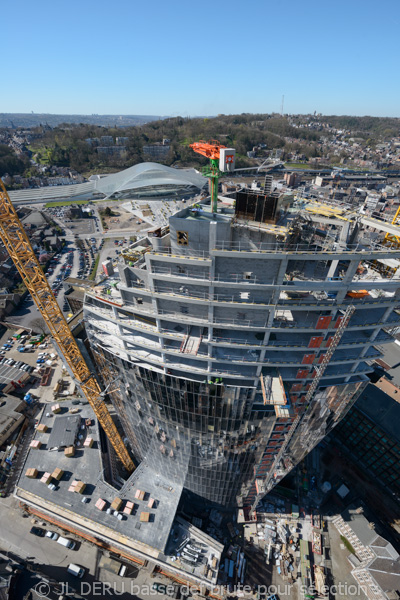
301	248
262	247
299	278
239	342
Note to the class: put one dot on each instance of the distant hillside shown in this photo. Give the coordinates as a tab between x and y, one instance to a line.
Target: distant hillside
65	146
13	120
384	127
298	138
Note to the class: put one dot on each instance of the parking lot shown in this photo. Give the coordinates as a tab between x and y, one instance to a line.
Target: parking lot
85	226
19	367
87	253
61	267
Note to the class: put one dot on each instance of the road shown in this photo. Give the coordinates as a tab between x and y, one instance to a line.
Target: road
51	560
17	539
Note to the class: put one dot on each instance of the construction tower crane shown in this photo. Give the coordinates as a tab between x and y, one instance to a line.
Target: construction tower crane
222	160
390	239
19	248
269	482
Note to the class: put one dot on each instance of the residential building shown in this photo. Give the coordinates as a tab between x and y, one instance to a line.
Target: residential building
11	415
156	150
292	179
107	140
121	141
375	562
111	150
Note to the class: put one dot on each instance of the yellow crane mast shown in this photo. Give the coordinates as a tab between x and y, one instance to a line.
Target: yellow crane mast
19	248
391	239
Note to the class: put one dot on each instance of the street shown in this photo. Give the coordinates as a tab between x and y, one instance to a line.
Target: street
47	560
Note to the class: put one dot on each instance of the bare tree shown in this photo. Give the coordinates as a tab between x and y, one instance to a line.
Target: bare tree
39	325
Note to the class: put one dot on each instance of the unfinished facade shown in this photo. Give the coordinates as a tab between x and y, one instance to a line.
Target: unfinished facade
214	331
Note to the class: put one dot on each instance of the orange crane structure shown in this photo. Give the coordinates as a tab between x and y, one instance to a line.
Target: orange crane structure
21	252
222	160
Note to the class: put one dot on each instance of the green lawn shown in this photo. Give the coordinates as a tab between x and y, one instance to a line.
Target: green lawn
65	203
94	270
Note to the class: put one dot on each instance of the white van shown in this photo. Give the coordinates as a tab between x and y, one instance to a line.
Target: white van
67	543
76	570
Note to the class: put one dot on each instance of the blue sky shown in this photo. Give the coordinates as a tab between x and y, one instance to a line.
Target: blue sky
190	58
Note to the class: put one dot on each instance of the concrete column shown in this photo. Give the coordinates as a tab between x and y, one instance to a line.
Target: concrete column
279	279
332	269
374	334
344	232
212	239
387	313
211	311
348	278
270	319
351	271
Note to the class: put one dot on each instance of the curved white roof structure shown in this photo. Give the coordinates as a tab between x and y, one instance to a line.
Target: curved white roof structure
144	179
150	179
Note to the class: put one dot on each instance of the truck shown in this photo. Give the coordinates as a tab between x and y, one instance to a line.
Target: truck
76	570
112	565
67	543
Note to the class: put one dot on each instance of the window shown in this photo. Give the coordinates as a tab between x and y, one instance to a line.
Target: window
182	238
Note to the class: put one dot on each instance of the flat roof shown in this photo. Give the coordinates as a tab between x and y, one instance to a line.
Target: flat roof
157	534
381	407
64	431
86	466
11	373
360	525
10	412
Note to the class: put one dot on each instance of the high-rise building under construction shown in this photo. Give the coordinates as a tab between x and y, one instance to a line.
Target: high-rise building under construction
216	329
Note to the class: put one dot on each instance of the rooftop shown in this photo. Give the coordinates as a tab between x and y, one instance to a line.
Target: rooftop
144	508
86	466
381	407
64	431
9	373
10	414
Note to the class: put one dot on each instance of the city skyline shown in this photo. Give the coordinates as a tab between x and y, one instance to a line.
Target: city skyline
178	61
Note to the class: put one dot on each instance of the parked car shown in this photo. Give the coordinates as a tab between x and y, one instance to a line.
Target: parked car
52	535
38	531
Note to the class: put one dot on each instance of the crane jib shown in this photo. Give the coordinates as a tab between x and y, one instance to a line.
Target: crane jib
21	252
